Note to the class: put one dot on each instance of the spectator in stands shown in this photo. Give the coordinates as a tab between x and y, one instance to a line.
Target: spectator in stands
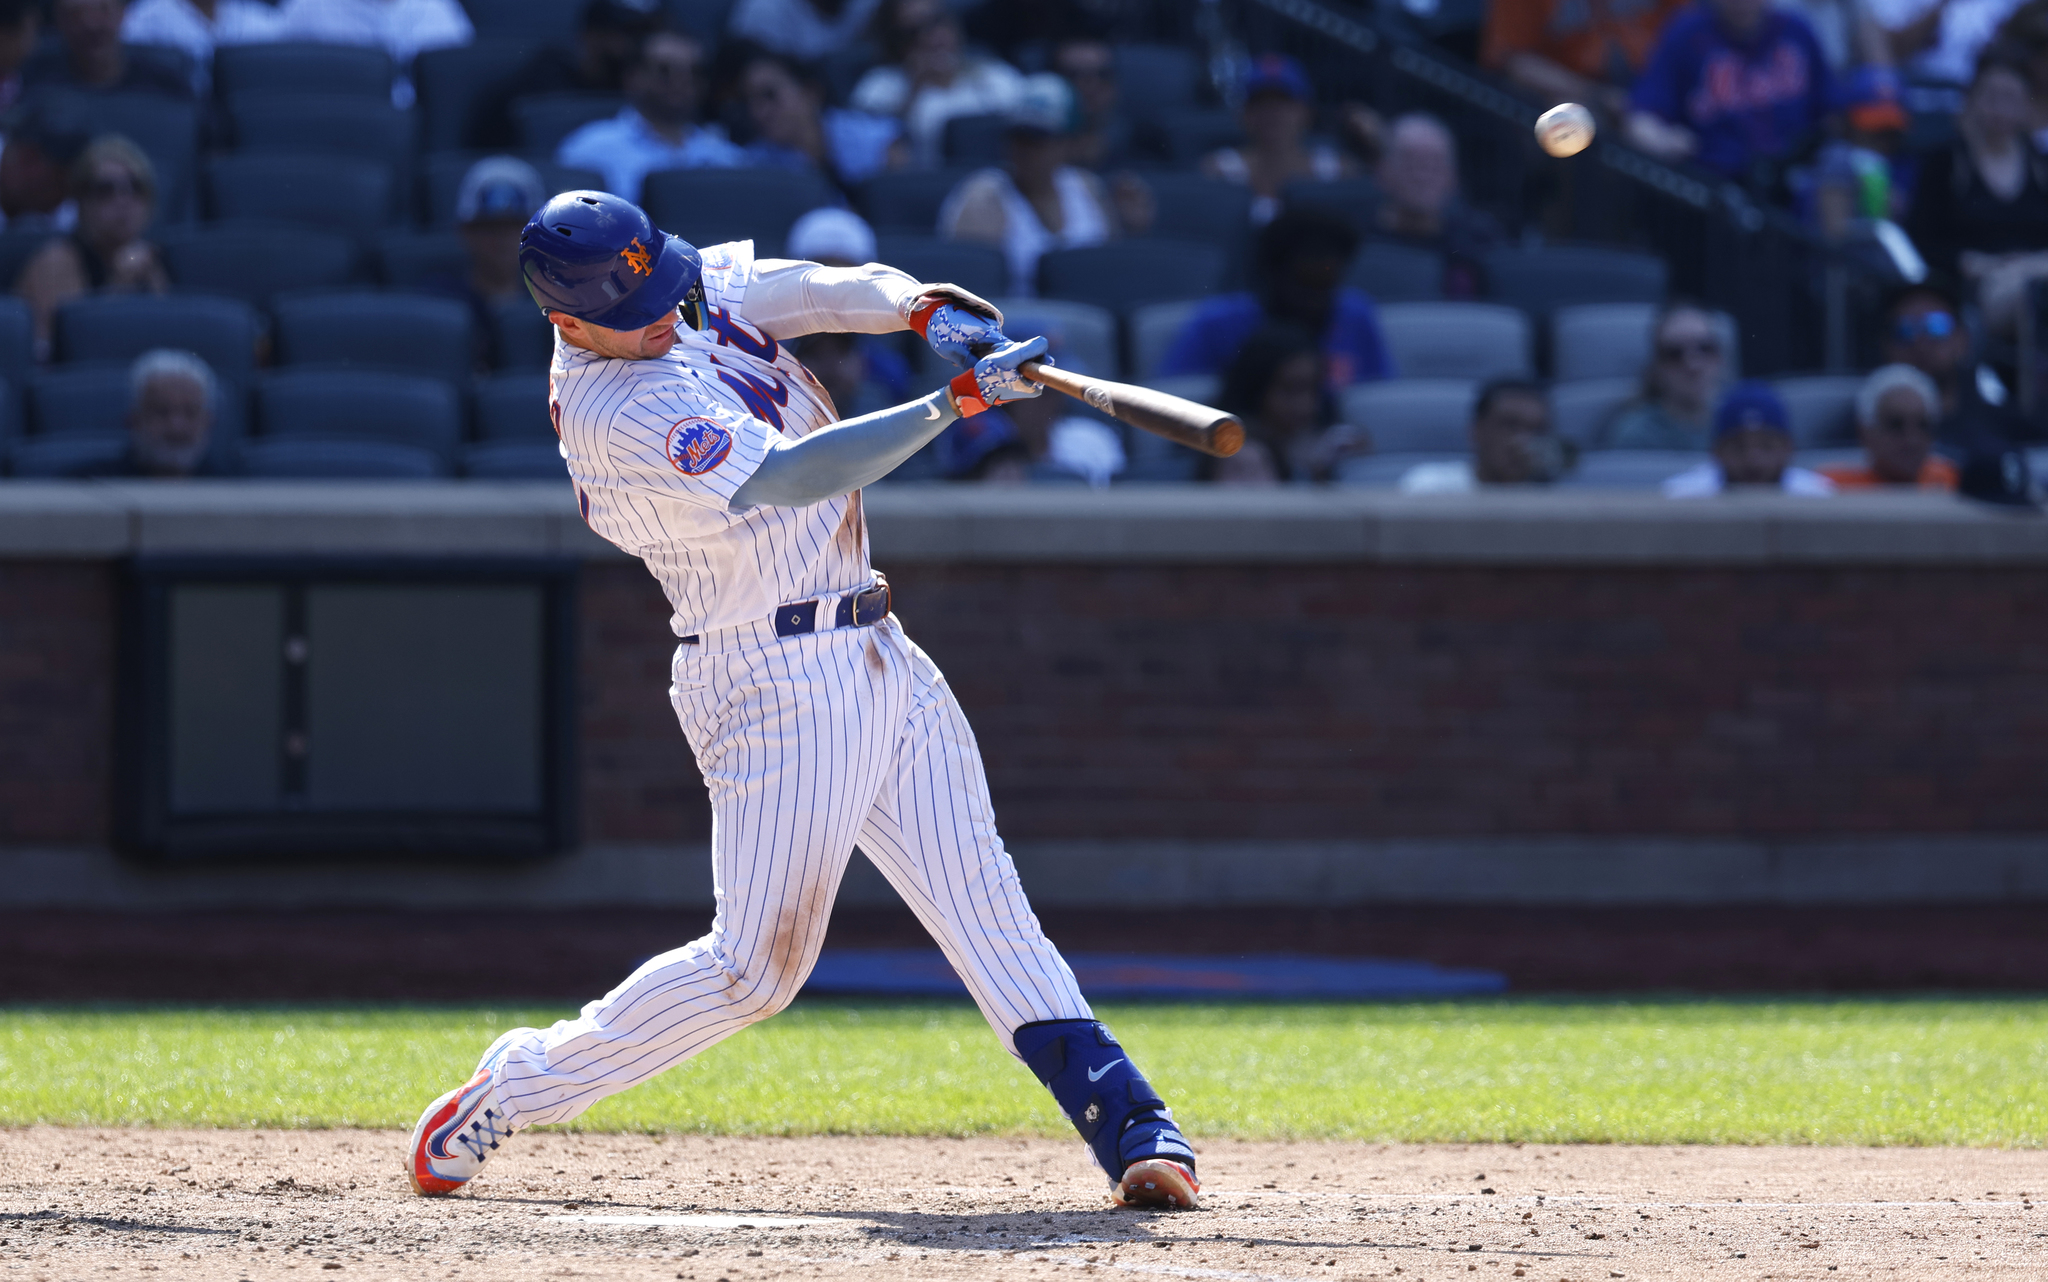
1849	37
89	55
1938	40
1103	131
401	28
1036	202
115	188
1301	259
1277	386
1513	443
1752	449
806	30
1418	178
200	26
658	128
2027	29
607	39
1895	412
498	194
171	398
794	129
20	21
1587	51
1733	84
1923	329
1279	107
42	143
1675	407
930	78
1980	209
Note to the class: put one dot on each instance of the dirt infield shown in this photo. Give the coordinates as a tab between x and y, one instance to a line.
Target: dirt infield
229	1205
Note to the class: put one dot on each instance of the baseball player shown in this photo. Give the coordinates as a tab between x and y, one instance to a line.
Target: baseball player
698	443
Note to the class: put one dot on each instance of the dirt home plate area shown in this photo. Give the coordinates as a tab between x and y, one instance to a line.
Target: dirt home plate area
230	1205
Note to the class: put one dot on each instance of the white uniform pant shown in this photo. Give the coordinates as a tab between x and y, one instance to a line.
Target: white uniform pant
809	745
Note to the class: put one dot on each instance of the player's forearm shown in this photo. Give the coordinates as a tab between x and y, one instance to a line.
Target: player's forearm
845	456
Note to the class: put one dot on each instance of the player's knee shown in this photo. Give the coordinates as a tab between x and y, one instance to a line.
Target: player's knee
765	978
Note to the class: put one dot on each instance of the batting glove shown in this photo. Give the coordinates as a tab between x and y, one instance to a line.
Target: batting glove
994	378
956	333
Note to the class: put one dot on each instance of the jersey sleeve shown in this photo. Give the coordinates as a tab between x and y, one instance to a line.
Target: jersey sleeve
665	443
788	299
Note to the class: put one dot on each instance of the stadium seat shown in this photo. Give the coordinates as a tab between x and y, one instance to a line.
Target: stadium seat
1629	469
54	457
975	142
1456	340
1355	200
1609	340
1078	335
1581	408
352	197
704	19
514	461
361	405
1157	77
17	246
403	333
1153	328
1539	281
513	408
1191	207
17	343
1191	133
165	130
292	459
541	20
453	86
712	206
92	397
256	261
521	337
120	327
1397	273
358	71
1129	273
542	120
1412	415
441	182
1839	456
909	200
414	259
1384	471
1822	408
275	123
979	269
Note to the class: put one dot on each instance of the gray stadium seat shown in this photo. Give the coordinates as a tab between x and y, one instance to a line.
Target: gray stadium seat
1456	340
318	460
256	261
53	457
120	327
360	405
548	20
92	398
513	408
1610	340
1157	77
712	206
324	124
514	461
521	337
414	259
1153	328
977	268
1193	132
1355	200
17	343
1629	469
302	67
1541	280
1191	207
1384	471
335	193
1412	415
1580	409
1397	273
542	120
1128	273
1822	408
454	85
403	333
909	200
1077	334
167	132
441	181
1840	456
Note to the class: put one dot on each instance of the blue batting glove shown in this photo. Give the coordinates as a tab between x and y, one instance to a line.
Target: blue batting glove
994	378
955	333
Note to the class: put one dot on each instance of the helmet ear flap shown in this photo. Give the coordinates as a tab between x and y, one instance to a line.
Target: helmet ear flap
692	307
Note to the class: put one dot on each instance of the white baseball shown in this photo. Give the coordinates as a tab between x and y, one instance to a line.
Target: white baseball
1565	130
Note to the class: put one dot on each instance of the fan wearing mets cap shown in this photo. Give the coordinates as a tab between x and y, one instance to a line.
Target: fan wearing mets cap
698	443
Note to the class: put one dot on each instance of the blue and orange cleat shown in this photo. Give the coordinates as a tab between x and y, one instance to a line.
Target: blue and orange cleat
454	1137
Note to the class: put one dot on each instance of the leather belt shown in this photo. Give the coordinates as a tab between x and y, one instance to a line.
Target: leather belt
862	609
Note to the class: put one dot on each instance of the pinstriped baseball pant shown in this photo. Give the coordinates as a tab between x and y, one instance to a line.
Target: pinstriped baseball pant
810	745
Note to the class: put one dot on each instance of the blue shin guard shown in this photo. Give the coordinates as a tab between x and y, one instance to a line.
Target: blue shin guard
1101	1092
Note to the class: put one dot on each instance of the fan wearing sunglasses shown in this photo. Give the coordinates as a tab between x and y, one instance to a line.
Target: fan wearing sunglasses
1674	410
115	187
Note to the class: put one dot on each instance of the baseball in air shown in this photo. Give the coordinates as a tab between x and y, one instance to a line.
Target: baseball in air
1565	130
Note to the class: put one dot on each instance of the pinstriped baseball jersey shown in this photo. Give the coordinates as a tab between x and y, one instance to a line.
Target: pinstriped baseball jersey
657	447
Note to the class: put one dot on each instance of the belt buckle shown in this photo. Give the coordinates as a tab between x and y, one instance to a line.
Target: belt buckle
871	605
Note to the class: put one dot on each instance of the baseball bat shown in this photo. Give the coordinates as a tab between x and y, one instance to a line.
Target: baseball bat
1184	422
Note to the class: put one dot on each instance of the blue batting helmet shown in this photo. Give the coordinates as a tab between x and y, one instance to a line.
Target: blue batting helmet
600	258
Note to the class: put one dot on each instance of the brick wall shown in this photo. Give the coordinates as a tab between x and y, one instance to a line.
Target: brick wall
56	700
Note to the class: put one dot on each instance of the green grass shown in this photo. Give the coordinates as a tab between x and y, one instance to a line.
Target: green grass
1822	1072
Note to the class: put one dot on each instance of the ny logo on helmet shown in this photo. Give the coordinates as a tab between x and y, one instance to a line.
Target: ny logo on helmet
697	445
639	258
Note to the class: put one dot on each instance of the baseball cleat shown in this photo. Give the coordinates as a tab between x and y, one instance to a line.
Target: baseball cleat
455	1136
1159	1183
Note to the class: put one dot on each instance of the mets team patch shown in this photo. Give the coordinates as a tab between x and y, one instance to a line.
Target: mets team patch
697	445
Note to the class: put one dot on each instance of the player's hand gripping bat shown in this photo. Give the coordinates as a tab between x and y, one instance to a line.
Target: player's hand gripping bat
1184	422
